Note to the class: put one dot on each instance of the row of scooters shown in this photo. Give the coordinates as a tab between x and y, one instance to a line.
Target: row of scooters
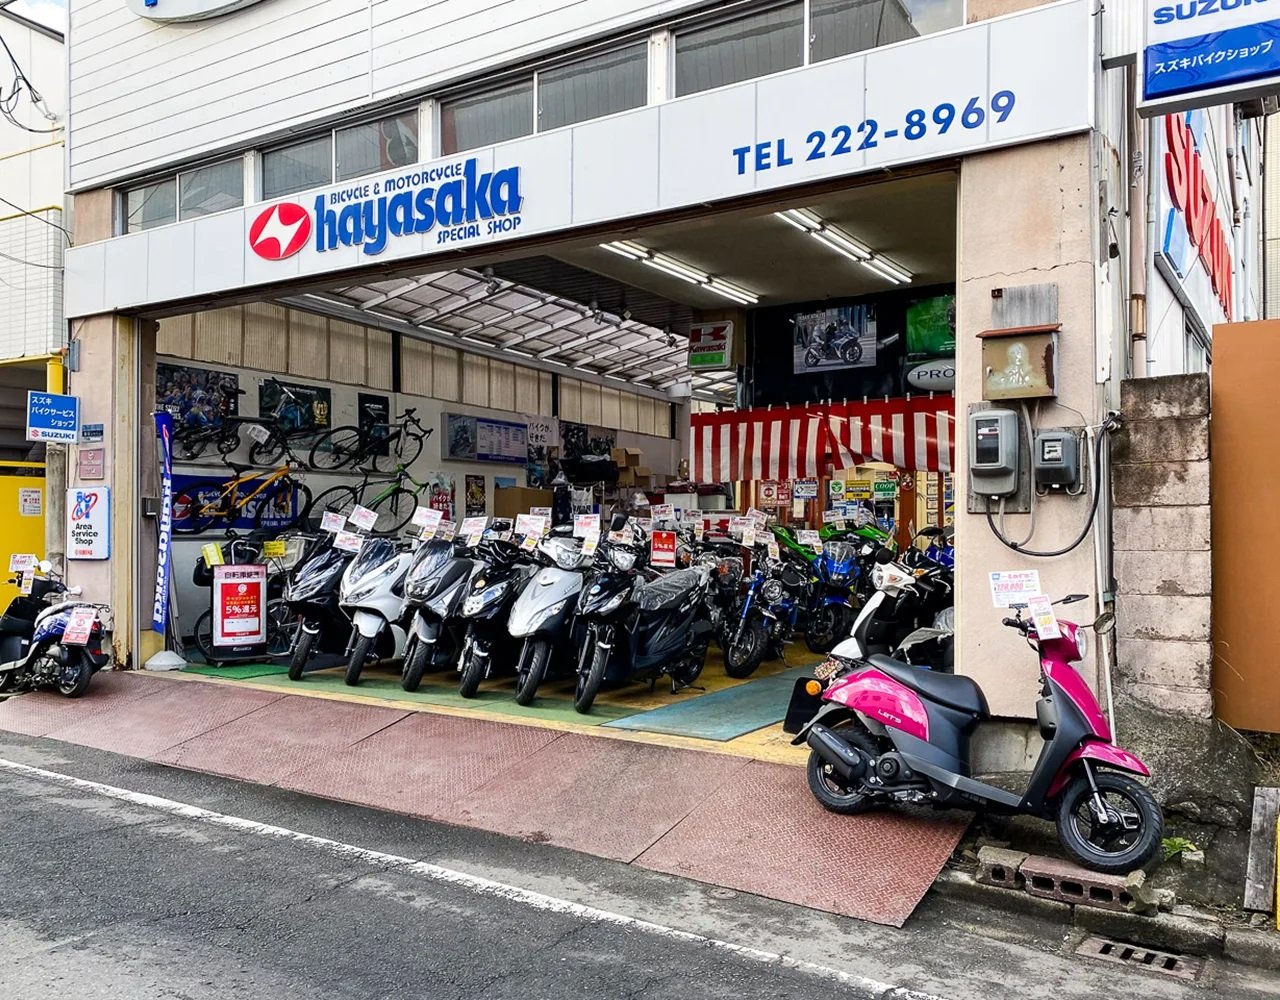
596	611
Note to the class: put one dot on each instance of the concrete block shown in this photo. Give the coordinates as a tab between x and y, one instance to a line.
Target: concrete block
1183	439
1166	396
1162	484
1144	616
1192	859
997	866
1167	663
1161	529
1052	878
958	885
1260	949
1187	574
1191	703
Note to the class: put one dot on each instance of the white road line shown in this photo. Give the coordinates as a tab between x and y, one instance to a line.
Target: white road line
473	883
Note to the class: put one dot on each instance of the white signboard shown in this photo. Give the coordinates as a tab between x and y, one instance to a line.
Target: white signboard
332	521
21	561
586	524
89	522
363	518
348	541
1198	53
1016	586
989	84
30	501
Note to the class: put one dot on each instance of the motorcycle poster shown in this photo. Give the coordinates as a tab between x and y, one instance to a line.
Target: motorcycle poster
830	339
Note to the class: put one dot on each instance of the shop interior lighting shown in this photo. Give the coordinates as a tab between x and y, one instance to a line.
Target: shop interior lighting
678	269
842	243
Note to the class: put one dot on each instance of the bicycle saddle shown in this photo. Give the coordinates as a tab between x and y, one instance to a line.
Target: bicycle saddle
239	468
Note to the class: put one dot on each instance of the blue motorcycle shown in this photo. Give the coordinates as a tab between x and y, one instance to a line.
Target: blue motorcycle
777	594
833	597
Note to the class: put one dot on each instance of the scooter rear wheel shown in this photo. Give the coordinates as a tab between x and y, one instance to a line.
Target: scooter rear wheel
73	680
826	785
1118	847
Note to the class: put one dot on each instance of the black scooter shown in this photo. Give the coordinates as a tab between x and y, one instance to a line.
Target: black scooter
434	590
503	573
311	594
638	631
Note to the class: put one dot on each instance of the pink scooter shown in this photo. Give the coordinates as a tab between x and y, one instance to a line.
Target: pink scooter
889	731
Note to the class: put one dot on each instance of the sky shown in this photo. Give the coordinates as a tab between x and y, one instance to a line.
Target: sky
50	12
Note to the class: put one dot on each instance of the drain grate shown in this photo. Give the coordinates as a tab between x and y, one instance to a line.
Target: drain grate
1137	957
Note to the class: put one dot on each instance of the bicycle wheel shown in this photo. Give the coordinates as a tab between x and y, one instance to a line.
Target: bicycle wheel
394	510
339	499
204	636
282	627
197	506
269	452
404	450
189	447
282	505
337	449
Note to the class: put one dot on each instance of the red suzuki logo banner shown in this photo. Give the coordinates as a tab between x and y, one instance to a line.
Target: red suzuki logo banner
280	231
1192	195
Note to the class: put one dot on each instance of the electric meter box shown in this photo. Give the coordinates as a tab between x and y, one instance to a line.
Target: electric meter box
994	450
1055	460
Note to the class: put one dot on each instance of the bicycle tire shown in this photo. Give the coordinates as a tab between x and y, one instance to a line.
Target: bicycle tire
269	452
269	499
189	447
186	510
203	636
337	449
339	499
394	510
228	440
403	451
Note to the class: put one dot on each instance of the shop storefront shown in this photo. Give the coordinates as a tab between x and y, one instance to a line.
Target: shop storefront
759	257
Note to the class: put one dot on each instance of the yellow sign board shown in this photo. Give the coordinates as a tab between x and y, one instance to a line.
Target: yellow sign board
274	549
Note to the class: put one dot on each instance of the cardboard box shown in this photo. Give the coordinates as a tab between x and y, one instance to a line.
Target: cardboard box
643	472
625	457
508	501
626	477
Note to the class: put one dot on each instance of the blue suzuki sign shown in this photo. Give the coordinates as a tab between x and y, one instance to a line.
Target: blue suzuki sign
1218	50
51	417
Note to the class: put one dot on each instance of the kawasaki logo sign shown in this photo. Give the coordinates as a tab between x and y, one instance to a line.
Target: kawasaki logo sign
458	201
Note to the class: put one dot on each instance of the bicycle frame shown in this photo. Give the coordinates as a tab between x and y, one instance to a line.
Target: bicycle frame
231	489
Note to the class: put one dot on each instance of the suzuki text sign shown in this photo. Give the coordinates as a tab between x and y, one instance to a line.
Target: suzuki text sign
185	10
51	417
1198	53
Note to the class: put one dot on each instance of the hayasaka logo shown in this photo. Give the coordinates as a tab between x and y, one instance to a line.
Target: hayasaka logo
280	231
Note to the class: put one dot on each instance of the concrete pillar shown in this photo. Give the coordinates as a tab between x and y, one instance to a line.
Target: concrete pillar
1025	217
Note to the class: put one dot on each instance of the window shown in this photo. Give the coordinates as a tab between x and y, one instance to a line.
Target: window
151	205
593	87
720	54
839	27
211	189
295	168
483	119
376	146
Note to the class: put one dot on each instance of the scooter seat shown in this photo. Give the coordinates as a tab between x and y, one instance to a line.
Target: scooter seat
946	689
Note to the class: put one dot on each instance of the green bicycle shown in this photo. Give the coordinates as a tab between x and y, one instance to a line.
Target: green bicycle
394	503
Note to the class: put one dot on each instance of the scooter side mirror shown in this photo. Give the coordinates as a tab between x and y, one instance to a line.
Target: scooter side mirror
1104	623
929	532
884	557
618	521
1073	599
44	566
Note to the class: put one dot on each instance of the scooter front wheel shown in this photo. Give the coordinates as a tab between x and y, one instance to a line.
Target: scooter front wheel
589	683
359	655
301	654
1129	837
415	663
472	671
532	669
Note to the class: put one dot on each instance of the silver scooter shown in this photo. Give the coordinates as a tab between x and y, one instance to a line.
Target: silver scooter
372	596
543	614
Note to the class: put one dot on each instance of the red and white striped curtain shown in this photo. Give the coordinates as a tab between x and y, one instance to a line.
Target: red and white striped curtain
802	442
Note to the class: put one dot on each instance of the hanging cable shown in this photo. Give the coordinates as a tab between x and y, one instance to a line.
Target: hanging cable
1111	423
39	218
31	263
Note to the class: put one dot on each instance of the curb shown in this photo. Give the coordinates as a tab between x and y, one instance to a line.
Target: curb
1187	931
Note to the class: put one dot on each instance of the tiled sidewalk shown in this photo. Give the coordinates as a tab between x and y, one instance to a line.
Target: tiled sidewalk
726	820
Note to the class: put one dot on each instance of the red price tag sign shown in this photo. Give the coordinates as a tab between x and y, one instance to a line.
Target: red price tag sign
79	626
239	605
662	549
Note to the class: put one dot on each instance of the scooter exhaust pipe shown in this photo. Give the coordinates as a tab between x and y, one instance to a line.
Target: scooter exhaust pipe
844	759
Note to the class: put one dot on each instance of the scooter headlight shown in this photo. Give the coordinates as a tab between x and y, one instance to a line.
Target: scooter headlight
622	559
1082	642
772	591
614	603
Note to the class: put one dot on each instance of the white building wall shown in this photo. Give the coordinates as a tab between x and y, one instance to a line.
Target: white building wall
147	93
31	181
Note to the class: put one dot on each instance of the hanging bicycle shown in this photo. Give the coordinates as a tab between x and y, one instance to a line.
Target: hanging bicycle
275	499
384	446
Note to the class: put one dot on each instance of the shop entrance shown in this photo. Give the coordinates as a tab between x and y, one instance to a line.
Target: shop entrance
752	388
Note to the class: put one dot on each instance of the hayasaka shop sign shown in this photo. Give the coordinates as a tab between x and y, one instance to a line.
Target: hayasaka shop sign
1192	195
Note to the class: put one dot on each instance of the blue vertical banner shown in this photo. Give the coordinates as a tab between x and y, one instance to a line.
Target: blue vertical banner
160	612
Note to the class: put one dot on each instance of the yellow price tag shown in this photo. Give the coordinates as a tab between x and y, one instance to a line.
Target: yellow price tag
212	554
275	549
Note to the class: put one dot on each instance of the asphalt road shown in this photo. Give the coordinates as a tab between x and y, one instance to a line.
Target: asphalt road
139	882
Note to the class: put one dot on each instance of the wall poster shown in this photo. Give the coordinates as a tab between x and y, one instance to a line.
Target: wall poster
375	418
303	408
841	337
475	496
197	397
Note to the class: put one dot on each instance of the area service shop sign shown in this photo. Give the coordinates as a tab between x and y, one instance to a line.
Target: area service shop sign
1201	52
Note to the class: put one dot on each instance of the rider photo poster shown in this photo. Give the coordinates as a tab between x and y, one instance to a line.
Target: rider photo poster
197	397
839	337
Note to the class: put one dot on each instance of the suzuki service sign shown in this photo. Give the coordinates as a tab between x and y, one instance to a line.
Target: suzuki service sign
51	417
1198	53
185	10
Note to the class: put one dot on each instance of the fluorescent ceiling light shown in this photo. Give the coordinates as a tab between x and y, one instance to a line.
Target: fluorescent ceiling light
835	238
685	272
523	354
477	340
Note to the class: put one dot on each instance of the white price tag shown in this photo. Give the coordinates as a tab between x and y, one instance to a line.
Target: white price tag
757	516
446	530
79	626
1041	611
590	543
833	517
18	563
363	518
541	512
331	520
749	535
28	582
662	512
427	517
1017	586
699	529
531	526
774	552
584	524
473	529
258	433
808	537
348	541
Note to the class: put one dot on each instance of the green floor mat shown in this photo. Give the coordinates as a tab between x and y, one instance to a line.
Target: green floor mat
236	672
433	693
725	714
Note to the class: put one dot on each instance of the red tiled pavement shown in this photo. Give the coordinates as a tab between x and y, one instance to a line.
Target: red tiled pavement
164	719
602	797
422	765
718	819
39	712
763	832
280	738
